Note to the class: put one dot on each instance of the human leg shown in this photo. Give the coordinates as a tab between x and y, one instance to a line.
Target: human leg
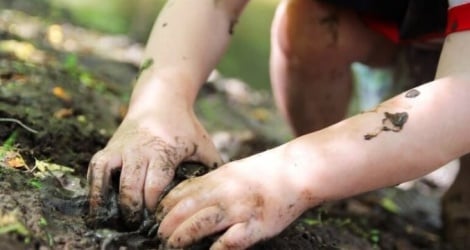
312	47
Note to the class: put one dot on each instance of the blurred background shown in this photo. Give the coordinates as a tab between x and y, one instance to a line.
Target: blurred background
247	58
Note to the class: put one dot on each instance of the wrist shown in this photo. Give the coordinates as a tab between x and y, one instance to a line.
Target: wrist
331	168
307	169
167	89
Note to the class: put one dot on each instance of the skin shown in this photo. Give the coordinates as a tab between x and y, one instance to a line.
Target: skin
321	166
311	78
328	164
151	141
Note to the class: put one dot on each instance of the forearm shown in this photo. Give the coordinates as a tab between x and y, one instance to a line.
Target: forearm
357	155
339	161
186	41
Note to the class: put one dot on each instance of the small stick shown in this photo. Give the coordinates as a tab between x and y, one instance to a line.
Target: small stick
19	123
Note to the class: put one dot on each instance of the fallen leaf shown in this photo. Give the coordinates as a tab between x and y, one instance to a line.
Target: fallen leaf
9	223
23	50
260	114
63	113
55	35
43	166
16	162
60	93
13	159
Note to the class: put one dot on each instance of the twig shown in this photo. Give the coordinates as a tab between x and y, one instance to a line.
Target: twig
19	123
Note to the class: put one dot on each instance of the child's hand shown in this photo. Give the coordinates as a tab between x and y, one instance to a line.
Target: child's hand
252	199
147	149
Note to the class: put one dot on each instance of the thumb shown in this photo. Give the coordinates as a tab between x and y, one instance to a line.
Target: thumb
205	153
161	171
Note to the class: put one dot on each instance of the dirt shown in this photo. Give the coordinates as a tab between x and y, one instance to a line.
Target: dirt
58	110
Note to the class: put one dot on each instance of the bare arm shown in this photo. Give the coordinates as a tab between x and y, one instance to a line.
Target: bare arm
186	42
435	132
403	138
160	129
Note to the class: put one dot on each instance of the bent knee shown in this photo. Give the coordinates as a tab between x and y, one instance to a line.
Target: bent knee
305	28
314	31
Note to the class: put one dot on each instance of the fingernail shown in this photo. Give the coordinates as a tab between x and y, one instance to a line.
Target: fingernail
162	236
171	242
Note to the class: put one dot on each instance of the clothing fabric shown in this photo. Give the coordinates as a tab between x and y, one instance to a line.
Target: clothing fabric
401	20
459	18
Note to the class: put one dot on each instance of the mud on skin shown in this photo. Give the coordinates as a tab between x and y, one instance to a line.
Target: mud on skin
412	93
232	26
392	122
110	216
146	64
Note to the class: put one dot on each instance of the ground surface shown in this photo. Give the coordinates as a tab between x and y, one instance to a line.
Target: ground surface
62	97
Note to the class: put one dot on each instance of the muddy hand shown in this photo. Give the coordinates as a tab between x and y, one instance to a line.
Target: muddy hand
146	152
252	199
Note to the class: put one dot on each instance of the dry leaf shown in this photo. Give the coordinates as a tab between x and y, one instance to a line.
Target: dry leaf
63	113
260	114
14	160
55	35
23	50
43	166
60	93
9	223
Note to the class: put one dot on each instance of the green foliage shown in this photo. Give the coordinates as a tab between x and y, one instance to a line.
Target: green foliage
315	221
248	55
35	183
246	58
145	65
10	141
311	222
107	15
42	222
374	236
17	227
389	205
9	223
71	64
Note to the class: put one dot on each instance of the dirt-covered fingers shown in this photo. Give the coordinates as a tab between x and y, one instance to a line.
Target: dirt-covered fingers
187	198
200	208
99	175
195	218
131	188
176	211
162	170
239	236
205	222
159	174
206	153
